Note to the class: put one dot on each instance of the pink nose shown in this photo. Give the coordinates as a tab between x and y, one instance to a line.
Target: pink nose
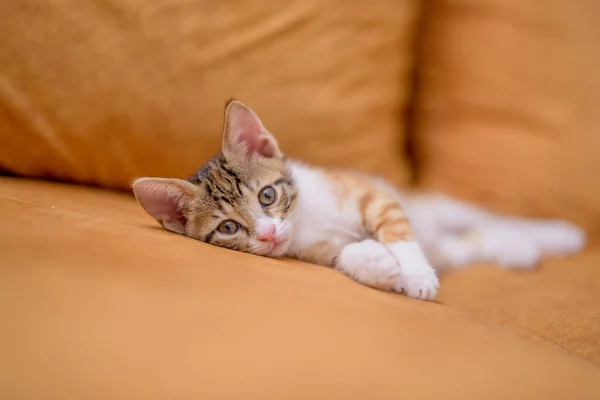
268	235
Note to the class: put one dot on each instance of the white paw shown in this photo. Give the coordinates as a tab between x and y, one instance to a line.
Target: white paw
507	247
370	263
418	279
555	237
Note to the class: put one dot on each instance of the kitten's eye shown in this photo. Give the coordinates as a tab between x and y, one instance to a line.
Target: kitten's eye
267	196
228	227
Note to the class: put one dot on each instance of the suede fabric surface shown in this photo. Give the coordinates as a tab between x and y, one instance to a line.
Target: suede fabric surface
96	301
100	92
507	114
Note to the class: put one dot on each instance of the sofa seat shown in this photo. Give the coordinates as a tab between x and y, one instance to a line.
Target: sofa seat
96	301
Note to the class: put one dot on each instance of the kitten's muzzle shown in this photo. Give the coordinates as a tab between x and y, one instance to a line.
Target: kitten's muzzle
268	235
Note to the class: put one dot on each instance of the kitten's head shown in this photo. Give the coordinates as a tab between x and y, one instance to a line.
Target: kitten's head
241	199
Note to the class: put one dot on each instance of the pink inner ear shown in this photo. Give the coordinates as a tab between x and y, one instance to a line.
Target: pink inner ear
256	144
246	133
265	148
165	201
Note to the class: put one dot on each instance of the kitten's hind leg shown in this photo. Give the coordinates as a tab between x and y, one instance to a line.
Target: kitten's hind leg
506	248
552	237
508	242
455	234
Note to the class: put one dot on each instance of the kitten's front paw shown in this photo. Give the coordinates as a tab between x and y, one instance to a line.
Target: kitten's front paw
370	263
422	285
417	279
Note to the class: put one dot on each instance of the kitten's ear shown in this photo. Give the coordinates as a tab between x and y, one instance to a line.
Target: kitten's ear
166	200
245	135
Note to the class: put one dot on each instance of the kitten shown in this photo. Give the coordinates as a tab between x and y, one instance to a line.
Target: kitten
251	198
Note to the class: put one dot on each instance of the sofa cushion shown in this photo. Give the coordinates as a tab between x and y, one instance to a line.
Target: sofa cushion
507	115
102	92
557	305
96	301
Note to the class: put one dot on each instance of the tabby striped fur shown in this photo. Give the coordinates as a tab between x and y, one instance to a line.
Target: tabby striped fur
251	198
332	217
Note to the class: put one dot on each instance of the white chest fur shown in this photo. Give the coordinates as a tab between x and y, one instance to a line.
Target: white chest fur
319	215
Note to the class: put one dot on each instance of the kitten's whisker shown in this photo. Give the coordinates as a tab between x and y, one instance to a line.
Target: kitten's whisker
298	208
346	231
336	228
290	215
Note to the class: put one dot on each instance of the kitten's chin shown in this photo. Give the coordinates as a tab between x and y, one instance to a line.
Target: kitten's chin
279	249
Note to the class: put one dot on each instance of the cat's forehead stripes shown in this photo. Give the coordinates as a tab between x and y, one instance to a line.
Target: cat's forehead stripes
229	190
204	170
221	182
228	187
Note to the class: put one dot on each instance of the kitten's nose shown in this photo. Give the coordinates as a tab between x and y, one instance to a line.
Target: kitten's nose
268	235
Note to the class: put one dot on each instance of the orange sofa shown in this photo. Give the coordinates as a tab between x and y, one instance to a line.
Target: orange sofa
491	101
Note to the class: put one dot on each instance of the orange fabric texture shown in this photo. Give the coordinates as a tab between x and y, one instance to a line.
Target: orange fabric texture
557	305
98	302
507	113
101	92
